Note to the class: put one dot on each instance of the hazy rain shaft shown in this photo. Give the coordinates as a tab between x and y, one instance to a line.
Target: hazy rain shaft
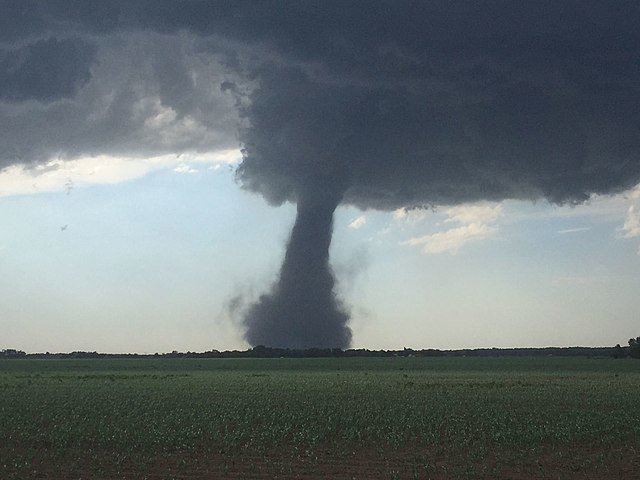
380	105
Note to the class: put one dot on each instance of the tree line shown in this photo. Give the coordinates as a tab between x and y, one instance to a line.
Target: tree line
261	351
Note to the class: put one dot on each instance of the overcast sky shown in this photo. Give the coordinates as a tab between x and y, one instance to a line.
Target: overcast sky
484	159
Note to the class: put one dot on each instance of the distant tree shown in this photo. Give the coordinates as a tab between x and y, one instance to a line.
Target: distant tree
12	353
634	347
618	352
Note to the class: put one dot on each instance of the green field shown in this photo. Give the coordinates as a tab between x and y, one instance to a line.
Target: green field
345	418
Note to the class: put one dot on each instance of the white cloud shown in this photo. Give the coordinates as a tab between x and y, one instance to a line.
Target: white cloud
60	175
474	213
631	227
184	168
451	240
574	230
399	214
477	221
358	222
410	216
474	222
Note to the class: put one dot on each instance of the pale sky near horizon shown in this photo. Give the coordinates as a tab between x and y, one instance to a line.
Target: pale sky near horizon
149	264
482	160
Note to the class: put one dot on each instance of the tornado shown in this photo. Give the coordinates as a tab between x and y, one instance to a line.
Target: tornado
302	309
396	105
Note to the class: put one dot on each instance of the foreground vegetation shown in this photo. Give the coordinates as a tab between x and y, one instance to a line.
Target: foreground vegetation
314	418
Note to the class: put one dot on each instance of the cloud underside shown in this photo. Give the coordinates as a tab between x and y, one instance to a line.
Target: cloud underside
481	221
135	95
60	175
467	110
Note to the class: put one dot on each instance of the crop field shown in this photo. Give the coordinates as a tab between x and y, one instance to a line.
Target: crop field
348	418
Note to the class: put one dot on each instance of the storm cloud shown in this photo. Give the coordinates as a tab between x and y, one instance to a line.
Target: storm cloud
408	103
441	105
46	70
385	105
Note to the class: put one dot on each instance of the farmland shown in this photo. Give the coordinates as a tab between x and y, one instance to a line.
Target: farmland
159	418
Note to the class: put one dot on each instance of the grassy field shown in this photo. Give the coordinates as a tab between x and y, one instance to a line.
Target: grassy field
350	418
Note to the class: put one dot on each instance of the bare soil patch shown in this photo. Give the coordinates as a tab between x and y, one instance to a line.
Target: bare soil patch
370	463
